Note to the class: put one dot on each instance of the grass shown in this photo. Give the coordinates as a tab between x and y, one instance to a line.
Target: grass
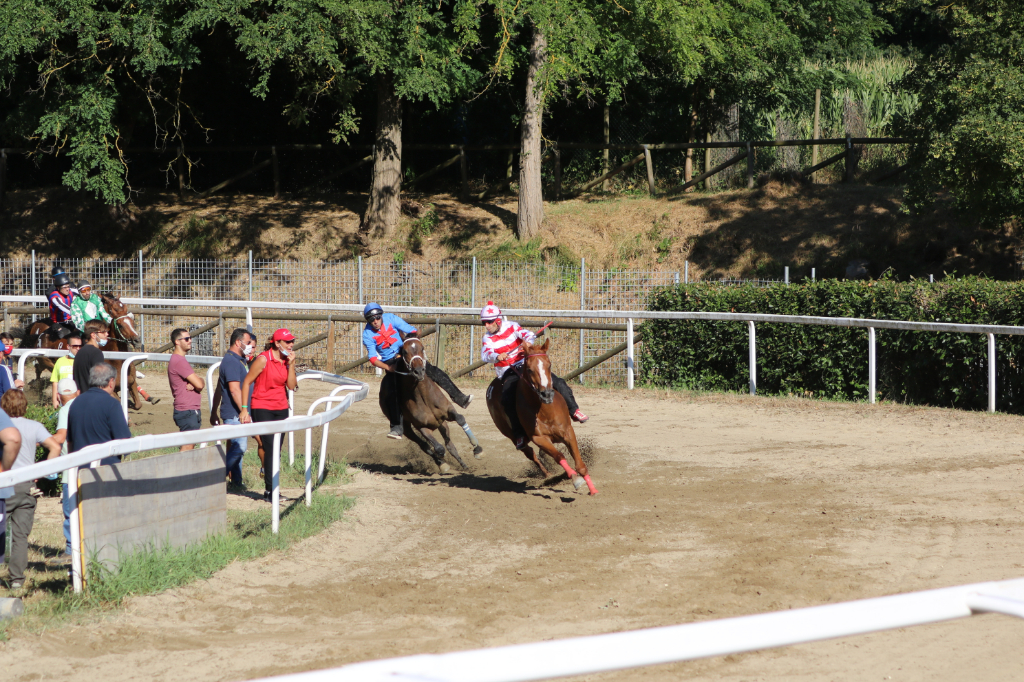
53	603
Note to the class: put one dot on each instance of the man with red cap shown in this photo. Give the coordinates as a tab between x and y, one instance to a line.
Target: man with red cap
502	346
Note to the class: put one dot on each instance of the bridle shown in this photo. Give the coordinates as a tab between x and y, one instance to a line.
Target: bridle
530	383
407	363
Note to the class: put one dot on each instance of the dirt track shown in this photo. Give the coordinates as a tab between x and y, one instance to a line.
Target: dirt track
709	507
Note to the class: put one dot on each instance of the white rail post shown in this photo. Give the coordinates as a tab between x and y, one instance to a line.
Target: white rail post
142	318
275	495
686	272
753	358
248	321
291	434
786	275
250	279
472	304
583	286
872	367
125	367
991	372
21	362
76	531
629	354
813	279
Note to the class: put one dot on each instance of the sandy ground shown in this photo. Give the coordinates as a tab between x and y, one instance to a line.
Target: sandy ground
709	507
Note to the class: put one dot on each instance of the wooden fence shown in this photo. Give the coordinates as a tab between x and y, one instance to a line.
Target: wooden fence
852	148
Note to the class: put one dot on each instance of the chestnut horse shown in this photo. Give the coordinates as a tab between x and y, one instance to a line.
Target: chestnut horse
425	407
543	414
122	334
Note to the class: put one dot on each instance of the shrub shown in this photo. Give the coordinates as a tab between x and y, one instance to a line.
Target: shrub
915	367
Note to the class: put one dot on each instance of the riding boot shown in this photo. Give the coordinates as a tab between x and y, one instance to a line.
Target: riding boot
445	382
508	402
562	387
394	406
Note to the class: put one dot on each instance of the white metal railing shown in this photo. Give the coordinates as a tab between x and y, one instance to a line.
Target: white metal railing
94	453
638	648
991	330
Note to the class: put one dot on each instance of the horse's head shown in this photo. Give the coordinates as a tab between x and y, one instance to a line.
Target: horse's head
537	370
124	321
414	356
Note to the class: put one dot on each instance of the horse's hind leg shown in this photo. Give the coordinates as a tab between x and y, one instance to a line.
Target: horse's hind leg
532	455
443	428
429	446
461	421
545	444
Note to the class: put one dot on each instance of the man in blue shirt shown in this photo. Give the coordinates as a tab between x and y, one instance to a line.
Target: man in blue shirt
95	416
383	342
228	396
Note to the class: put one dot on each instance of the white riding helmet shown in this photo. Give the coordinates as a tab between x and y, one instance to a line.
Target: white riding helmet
490	312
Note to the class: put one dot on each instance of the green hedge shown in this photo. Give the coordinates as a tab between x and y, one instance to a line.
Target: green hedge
914	367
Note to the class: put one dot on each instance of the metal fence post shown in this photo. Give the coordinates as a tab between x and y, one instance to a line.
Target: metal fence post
872	367
360	266
686	272
753	358
629	354
439	344
991	372
583	286
142	318
677	278
472	304
33	279
250	278
785	276
812	275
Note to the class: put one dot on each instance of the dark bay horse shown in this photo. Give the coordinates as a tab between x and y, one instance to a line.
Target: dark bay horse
543	414
122	337
425	407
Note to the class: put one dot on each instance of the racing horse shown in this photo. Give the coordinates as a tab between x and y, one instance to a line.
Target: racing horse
543	414
425	407
122	334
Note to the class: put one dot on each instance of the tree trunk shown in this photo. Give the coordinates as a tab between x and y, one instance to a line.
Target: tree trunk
531	199
384	209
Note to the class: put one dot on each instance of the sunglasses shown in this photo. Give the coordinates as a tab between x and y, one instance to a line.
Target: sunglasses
287	340
374	318
76	346
184	338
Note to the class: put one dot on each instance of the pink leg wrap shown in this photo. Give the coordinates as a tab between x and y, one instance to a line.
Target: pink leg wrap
568	469
593	490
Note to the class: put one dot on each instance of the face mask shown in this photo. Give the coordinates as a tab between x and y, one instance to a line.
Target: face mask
8	349
102	342
248	350
285	353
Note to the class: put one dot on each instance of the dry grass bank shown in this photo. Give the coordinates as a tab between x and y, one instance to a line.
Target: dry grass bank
735	233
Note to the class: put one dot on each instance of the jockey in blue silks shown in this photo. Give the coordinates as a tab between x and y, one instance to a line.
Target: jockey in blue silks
383	341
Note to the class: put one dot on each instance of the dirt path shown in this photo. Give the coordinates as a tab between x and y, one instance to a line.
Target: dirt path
709	507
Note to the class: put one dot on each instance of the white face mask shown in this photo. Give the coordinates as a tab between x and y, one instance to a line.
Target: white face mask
285	353
249	349
102	342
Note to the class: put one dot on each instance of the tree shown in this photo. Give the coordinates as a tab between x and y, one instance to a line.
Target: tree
417	52
969	126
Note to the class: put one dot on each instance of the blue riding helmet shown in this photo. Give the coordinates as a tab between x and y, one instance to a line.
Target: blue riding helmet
372	309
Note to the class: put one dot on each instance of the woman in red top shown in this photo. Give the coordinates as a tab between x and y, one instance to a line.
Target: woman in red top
273	373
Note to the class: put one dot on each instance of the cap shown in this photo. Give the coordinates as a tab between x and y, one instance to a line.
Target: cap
83	283
283	335
490	312
66	386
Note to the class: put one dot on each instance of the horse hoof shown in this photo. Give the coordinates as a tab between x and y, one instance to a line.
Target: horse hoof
478	452
445	469
578	482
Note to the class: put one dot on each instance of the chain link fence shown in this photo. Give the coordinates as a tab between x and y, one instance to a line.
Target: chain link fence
452	283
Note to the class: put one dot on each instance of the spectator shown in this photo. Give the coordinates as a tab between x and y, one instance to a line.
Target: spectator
228	397
64	367
96	417
68	391
186	385
7	379
94	337
20	502
10	439
273	373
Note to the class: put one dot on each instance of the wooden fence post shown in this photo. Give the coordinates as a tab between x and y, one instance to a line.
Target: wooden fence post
817	125
707	162
222	349
607	140
558	172
650	170
464	170
277	173
850	165
440	348
330	344
750	166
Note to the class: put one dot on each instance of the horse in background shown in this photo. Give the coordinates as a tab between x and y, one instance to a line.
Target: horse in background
122	337
543	414
426	408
